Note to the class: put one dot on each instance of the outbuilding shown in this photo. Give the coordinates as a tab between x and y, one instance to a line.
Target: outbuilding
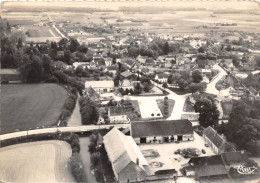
162	131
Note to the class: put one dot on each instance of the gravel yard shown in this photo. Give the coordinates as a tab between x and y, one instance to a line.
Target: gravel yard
167	156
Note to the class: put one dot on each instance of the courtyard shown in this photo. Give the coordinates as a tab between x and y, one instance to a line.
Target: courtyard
164	157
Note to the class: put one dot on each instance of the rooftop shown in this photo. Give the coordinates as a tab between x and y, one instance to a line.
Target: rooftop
122	150
161	128
208	166
99	84
126	74
218	140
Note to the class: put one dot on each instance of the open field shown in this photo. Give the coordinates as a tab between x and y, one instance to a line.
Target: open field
37	31
25	106
44	161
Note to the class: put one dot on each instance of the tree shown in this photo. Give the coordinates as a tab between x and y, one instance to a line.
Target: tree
83	48
146	87
235	60
74	45
164	85
31	72
245	59
193	87
208	112
63	44
95	159
116	80
201	49
229	48
197	76
89	111
137	89
183	84
67	57
166	48
20	43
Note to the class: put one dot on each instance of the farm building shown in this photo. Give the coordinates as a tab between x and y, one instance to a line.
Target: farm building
162	131
216	141
127	161
101	86
208	167
117	114
234	159
10	75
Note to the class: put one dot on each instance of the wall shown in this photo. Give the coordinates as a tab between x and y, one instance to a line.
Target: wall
118	118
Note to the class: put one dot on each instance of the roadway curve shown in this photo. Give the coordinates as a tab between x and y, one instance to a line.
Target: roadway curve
211	87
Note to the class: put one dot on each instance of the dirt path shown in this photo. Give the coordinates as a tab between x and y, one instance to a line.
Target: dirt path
85	157
75	119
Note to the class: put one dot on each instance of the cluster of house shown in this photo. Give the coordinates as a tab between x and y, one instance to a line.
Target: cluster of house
129	164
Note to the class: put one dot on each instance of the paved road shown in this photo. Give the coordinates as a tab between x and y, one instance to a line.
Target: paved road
211	87
61	129
179	102
85	157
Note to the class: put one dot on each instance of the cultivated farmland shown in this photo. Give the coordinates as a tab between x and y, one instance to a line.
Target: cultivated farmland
44	161
25	106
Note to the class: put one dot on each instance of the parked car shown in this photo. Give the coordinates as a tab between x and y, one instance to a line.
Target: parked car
203	151
206	145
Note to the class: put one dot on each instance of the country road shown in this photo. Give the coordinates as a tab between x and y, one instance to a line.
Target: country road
211	87
60	129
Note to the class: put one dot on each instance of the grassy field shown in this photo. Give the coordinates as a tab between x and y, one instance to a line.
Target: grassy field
25	106
44	161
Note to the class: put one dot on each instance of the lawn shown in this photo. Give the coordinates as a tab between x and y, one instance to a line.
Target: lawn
25	106
160	103
188	107
45	161
226	107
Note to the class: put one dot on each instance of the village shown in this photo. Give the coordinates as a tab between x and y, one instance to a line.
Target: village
188	102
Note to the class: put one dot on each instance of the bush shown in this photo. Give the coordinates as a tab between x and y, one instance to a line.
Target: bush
95	159
77	168
52	79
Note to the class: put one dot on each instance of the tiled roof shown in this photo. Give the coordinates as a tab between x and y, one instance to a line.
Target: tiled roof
217	140
161	128
237	157
122	150
209	166
126	74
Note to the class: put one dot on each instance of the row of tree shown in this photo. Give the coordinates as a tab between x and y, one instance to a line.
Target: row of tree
188	82
88	110
243	127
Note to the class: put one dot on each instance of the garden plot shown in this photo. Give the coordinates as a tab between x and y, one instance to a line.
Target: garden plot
40	162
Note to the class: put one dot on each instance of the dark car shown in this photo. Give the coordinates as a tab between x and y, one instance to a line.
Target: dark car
203	151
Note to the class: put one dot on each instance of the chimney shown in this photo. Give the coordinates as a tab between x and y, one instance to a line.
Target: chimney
137	161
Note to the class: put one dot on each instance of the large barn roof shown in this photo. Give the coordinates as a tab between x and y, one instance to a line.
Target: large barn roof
161	128
218	140
209	166
122	150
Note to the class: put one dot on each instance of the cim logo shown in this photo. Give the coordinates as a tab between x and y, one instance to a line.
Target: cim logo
246	170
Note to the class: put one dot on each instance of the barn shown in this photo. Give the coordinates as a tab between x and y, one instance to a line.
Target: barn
162	131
